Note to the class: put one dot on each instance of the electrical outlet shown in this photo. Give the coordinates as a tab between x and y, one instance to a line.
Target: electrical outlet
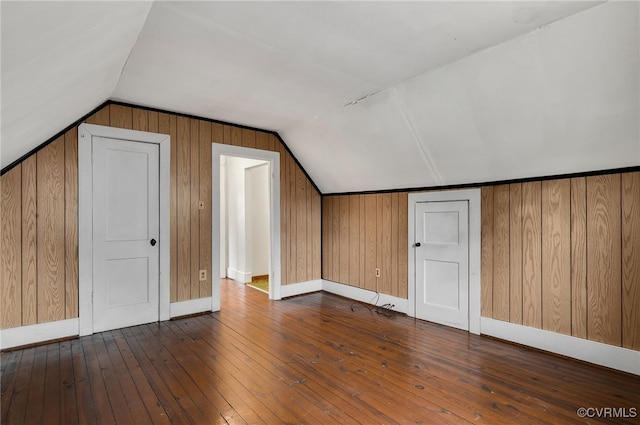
200	207
377	272
203	275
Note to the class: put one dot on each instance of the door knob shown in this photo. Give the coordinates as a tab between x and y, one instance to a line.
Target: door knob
417	244
152	242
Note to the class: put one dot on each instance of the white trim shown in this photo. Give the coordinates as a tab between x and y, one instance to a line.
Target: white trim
238	276
273	158
301	288
365	295
32	334
473	197
582	349
85	225
183	308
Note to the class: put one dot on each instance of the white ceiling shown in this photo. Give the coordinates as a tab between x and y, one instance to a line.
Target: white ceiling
368	95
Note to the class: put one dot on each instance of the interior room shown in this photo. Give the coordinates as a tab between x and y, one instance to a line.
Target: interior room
443	198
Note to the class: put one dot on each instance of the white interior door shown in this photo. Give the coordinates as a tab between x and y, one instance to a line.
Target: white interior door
442	262
126	228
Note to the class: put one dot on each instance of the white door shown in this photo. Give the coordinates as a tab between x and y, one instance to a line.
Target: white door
126	229
442	262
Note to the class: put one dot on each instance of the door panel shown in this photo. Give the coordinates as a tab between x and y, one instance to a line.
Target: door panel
442	262
125	220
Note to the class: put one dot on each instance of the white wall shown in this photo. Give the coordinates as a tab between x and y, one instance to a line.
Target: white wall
258	211
238	250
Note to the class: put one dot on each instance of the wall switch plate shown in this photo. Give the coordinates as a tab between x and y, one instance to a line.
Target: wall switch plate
200	207
377	272
203	275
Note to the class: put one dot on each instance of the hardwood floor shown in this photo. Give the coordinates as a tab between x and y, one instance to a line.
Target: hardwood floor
304	360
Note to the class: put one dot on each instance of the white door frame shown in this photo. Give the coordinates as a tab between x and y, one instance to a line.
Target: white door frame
273	158
85	216
473	197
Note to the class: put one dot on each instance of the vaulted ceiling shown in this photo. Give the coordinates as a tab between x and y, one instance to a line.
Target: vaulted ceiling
367	95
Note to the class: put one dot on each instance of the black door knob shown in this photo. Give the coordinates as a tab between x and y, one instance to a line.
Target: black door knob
152	242
417	244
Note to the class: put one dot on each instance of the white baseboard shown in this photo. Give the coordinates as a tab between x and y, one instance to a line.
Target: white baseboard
582	349
184	308
300	288
238	276
365	295
32	334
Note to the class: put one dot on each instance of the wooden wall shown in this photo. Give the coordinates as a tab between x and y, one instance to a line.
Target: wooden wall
564	256
561	255
39	269
39	272
361	233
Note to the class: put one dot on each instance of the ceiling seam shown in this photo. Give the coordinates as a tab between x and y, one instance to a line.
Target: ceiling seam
427	71
424	152
133	46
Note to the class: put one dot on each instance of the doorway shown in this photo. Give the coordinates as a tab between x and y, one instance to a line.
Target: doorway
444	257
272	161
123	208
244	218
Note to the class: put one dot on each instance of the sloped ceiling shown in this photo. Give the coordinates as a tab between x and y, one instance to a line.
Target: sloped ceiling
368	95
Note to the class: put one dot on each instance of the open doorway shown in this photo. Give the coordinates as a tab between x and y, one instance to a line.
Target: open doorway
235	246
244	220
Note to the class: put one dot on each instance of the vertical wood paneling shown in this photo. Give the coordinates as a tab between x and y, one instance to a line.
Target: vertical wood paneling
10	301
365	232
344	239
309	216
194	212
217	133
604	259
384	237
71	222
403	244
531	255
29	242
336	238
285	218
248	138
556	249
153	121
371	241
121	116
579	257
354	240
515	253
183	213
140	119
226	134
50	235
205	214
327	237
236	136
301	223
363	241
393	246
100	117
501	252
379	241
487	251
167	125
48	219
293	219
262	141
316	241
631	261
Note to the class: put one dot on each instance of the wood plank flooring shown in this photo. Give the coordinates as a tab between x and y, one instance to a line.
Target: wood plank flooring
305	360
